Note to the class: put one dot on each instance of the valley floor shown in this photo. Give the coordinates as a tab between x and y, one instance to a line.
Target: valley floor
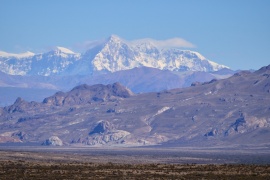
132	163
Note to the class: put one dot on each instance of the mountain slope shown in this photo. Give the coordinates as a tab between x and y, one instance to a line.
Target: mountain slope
143	79
233	111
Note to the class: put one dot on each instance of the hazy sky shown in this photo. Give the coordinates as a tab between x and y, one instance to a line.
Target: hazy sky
235	33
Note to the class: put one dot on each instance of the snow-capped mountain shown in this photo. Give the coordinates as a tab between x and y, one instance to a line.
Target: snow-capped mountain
114	54
56	61
117	54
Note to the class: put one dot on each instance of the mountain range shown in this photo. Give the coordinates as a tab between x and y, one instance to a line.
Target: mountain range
142	66
229	112
111	55
139	80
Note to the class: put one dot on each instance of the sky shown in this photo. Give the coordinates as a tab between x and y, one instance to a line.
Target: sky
235	33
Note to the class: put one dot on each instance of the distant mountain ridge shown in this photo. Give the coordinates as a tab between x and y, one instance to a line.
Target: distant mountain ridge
139	80
111	55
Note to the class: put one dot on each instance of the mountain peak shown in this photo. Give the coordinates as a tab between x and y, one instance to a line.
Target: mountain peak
114	38
64	50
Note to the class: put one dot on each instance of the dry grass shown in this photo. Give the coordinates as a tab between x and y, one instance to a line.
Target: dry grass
75	170
49	165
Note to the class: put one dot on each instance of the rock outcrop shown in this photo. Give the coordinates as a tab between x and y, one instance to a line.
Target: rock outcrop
84	94
53	141
104	133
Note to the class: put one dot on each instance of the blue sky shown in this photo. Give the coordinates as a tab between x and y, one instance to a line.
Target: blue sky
235	33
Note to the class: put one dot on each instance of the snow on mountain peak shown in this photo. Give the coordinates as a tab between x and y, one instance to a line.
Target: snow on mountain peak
198	55
214	65
64	50
115	39
21	55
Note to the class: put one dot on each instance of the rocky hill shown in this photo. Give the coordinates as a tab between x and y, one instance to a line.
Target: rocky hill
229	112
87	94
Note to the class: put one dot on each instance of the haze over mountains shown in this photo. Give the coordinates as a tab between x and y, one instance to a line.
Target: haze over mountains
142	66
228	112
